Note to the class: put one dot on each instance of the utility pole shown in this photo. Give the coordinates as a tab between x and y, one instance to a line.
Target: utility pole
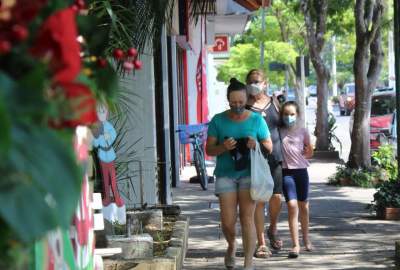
263	32
334	81
302	90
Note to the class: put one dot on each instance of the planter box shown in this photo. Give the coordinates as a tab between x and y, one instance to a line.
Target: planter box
136	246
388	213
173	260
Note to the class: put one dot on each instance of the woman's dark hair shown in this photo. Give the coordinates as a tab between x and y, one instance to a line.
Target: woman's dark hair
235	85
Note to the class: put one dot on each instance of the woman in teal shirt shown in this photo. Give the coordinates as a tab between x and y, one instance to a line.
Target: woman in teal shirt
230	136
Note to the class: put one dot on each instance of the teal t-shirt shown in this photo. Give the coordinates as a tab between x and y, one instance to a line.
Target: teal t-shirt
221	126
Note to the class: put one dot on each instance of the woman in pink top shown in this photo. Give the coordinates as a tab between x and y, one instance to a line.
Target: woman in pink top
296	149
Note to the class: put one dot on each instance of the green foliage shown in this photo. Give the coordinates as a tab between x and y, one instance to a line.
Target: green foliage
349	177
384	170
35	197
387	195
132	23
245	57
331	133
385	159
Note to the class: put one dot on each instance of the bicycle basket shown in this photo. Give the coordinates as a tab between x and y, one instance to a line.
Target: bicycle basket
186	130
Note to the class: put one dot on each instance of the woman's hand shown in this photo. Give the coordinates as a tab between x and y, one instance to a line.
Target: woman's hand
267	143
229	144
251	143
308	151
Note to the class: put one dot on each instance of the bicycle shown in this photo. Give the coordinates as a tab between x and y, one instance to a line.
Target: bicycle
196	138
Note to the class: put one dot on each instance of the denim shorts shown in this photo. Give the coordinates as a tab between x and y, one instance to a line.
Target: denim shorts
229	184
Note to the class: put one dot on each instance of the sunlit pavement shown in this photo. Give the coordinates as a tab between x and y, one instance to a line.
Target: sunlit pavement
344	233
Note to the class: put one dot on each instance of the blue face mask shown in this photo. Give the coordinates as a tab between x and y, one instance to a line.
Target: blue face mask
289	120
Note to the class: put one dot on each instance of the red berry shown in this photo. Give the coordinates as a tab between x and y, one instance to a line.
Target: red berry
5	46
132	52
20	32
118	54
138	64
102	62
80	4
128	66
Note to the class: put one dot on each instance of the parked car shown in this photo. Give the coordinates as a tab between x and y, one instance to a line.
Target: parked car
312	90
383	125
383	117
347	99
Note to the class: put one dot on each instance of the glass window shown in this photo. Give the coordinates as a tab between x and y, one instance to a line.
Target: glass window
351	89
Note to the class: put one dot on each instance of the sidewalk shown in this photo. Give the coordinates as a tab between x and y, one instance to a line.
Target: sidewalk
344	233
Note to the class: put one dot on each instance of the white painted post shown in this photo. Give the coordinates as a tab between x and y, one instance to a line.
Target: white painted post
334	81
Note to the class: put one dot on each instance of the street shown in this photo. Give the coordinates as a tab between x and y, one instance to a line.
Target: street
342	131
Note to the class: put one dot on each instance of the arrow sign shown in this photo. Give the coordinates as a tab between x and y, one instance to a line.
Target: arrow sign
221	43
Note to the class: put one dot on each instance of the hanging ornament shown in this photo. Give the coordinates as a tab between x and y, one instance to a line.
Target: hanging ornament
137	64
128	66
101	62
132	52
118	54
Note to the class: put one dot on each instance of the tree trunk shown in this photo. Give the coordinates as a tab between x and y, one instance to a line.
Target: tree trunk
322	127
368	59
316	29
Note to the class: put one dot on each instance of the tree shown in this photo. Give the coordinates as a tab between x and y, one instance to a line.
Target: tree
316	30
368	59
244	57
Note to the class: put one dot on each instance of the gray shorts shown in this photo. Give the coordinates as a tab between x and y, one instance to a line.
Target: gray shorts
229	184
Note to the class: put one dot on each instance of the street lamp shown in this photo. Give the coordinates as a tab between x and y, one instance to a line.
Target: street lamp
397	72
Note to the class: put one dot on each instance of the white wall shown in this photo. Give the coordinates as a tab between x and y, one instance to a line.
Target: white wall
141	136
217	101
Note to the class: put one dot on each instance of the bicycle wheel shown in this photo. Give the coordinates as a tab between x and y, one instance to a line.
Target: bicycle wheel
200	165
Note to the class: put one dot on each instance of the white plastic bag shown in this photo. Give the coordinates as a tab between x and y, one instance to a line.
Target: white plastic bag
262	183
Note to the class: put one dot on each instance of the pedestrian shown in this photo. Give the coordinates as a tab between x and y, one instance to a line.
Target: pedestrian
230	136
296	149
269	108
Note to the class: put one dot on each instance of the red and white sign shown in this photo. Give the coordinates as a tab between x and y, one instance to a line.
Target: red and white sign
221	44
201	84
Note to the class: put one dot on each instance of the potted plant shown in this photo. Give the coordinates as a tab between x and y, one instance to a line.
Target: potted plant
331	153
387	200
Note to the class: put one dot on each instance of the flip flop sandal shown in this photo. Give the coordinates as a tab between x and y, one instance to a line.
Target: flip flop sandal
274	240
293	255
230	261
262	252
309	249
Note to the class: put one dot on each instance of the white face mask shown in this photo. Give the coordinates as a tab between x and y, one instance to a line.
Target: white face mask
255	88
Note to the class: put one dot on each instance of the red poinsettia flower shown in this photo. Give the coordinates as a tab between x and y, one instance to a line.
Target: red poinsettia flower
57	39
26	10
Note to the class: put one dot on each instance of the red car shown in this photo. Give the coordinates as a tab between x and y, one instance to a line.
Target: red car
382	123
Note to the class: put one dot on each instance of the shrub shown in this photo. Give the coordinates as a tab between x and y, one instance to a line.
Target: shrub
387	195
384	159
345	176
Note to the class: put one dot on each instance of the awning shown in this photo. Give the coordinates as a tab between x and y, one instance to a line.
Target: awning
230	24
253	5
